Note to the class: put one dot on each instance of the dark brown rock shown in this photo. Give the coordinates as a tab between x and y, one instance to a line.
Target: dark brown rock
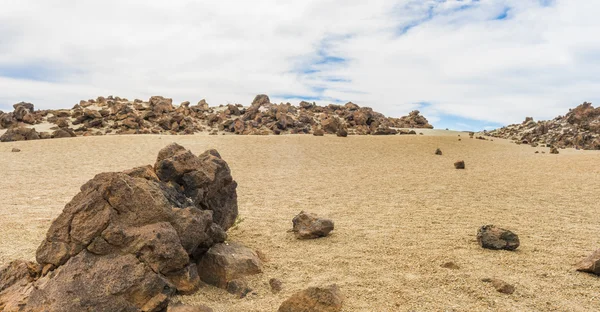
342	133
261	99
493	237
205	179
238	287
18	271
438	151
314	299
308	226
226	262
459	164
590	264
19	134
63	133
15	150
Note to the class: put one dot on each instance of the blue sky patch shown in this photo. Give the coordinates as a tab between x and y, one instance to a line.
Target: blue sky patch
503	14
453	122
37	71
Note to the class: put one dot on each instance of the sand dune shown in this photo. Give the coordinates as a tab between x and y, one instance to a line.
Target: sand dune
400	213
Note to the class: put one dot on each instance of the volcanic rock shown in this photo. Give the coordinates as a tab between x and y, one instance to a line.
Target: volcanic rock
134	235
238	287
308	226
224	263
314	299
63	133
205	179
580	127
459	164
493	237
590	264
19	134
438	151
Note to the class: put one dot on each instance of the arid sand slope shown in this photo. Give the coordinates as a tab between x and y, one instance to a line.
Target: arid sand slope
399	210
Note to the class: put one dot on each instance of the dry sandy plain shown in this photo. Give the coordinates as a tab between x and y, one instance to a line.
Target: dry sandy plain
400	212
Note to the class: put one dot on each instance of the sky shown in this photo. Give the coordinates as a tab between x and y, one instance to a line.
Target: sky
465	64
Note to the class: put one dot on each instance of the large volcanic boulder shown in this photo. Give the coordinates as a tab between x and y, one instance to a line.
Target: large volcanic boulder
24	112
19	134
413	120
330	124
129	240
261	99
160	105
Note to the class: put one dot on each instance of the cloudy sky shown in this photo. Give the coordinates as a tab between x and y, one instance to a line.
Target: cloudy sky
466	64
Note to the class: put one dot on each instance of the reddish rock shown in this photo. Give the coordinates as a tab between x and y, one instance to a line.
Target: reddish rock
591	264
314	299
309	225
226	262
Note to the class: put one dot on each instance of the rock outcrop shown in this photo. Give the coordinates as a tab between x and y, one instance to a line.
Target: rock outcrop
129	240
158	115
579	128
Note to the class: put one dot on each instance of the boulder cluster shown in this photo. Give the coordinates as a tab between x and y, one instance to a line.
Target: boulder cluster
158	115
579	128
131	240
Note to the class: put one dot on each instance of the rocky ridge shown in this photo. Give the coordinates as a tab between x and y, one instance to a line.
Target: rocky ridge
579	128
158	115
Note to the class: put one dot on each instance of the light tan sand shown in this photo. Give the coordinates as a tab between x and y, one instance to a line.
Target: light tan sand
399	211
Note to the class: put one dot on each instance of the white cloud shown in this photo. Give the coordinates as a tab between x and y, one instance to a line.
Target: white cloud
390	55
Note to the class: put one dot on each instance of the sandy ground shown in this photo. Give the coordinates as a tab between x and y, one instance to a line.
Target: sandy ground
400	212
